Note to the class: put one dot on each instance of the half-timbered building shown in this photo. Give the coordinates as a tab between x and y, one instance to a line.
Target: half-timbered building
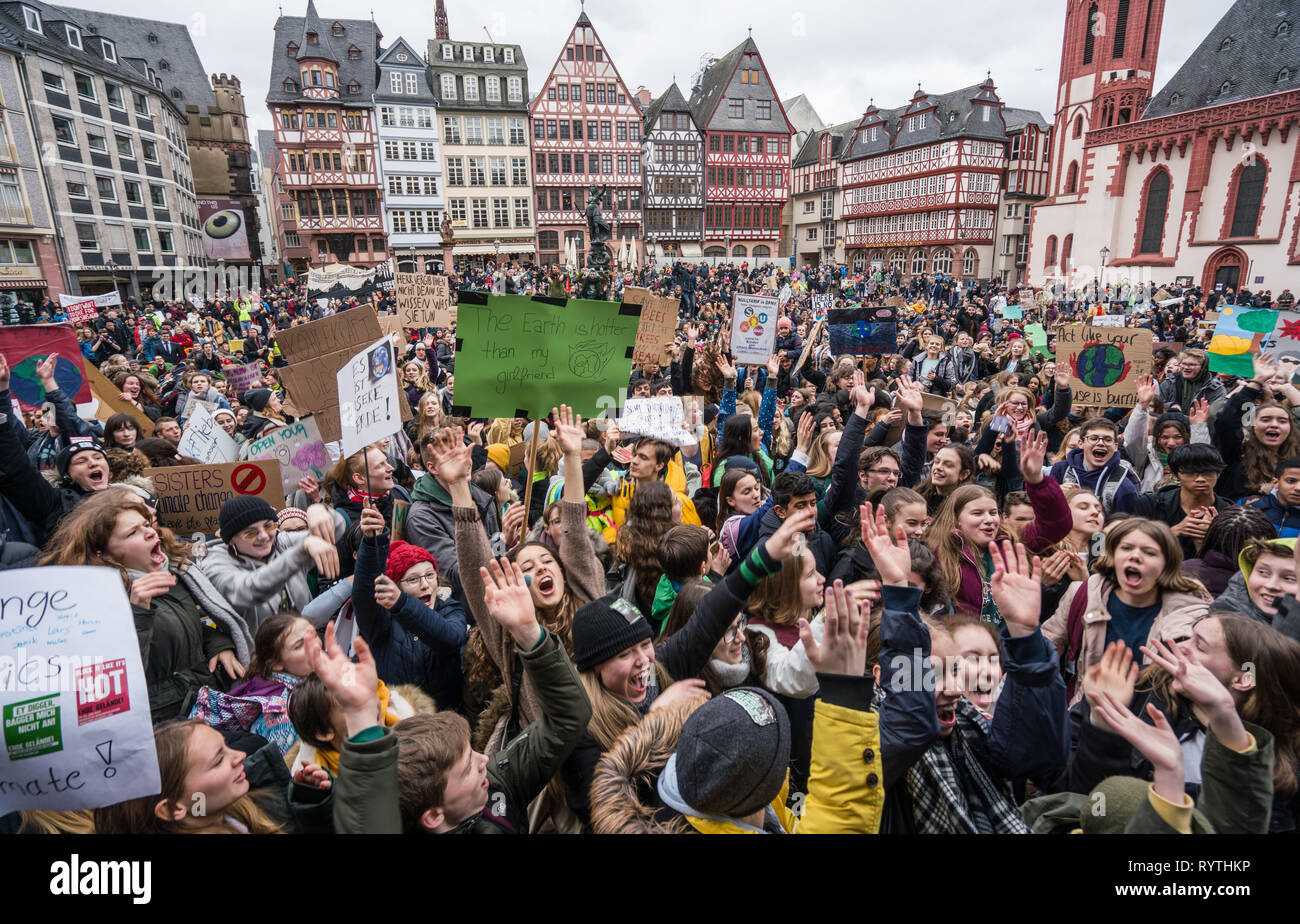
673	190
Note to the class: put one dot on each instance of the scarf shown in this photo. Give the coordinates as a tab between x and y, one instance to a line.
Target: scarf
360	497
1022	428
963	362
731	675
951	791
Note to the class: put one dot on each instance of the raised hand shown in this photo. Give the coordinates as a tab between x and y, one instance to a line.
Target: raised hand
773	365
1211	700
1033	452
354	686
324	555
892	557
372	522
476	432
790	535
1156	742
727	369
1016	585
805	433
1200	412
45	371
448	457
843	648
1146	391
1116	674
510	602
144	589
513	524
310	486
1062	376
568	430
910	395
1265	369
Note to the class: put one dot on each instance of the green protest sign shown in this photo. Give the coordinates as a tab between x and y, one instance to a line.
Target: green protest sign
520	356
1037	339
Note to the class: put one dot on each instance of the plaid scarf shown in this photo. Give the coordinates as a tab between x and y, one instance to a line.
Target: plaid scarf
951	791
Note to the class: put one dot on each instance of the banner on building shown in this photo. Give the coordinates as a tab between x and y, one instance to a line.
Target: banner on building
224	229
342	281
104	300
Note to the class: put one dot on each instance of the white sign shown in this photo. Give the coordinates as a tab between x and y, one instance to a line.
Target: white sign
368	407
298	448
196	301
753	328
661	418
106	300
204	439
74	706
823	302
1108	320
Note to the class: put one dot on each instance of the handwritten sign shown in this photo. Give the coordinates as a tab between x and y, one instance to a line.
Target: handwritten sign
657	328
822	303
313	388
661	418
81	312
245	377
424	300
367	389
1107	320
204	439
190	496
193	401
298	448
753	328
74	706
518	356
347	330
1105	362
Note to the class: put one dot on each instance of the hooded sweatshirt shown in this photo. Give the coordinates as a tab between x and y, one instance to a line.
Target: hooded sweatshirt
1236	598
1075	471
1286	520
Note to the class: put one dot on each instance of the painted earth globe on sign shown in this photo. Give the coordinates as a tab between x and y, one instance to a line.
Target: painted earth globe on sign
1100	365
27	387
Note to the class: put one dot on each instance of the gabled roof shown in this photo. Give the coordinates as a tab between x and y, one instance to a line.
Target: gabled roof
1019	118
1244	56
950	115
800	113
714	83
840	134
174	45
670	100
363	33
389	55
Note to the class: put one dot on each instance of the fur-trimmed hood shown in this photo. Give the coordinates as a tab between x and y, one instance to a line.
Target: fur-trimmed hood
626	775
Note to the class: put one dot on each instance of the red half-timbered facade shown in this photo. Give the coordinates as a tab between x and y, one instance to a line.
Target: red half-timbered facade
746	155
586	131
322	83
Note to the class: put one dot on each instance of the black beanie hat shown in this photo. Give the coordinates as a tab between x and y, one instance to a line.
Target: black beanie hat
258	398
241	512
1179	420
733	753
75	446
603	628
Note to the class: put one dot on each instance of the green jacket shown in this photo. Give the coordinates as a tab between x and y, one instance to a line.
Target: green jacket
365	799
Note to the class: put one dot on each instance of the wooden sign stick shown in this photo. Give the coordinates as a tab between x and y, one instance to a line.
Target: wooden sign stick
528	472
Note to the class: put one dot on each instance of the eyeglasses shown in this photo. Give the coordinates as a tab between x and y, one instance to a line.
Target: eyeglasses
1100	440
250	534
735	632
430	578
883	472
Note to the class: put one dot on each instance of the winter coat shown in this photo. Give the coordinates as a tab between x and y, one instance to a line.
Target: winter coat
1166	506
412	643
367	790
431	525
1208	387
1285	519
1141	448
1073	470
255	589
1213	570
1178	613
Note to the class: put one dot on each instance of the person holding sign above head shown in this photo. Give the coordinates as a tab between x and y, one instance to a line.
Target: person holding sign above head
260	569
190	636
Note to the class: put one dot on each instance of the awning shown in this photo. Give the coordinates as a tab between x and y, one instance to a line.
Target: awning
23	284
490	249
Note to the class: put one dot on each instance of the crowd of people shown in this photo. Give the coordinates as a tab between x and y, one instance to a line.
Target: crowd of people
924	591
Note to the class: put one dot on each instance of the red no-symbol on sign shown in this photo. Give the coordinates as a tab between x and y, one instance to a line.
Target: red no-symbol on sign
248	479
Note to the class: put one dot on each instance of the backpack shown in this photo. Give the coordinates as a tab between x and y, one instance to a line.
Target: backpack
1110	486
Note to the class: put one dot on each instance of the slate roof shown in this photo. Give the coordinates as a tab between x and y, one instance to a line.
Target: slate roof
174	46
363	33
799	110
388	56
1019	118
951	118
715	82
266	147
808	154
670	100
1254	50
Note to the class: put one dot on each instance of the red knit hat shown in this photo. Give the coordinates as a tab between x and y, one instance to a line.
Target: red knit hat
402	557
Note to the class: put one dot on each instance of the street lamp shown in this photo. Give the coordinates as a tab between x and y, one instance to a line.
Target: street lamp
112	268
1105	252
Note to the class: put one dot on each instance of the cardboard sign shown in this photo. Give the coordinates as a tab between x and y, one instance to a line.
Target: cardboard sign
367	389
1105	362
298	448
424	300
661	418
753	328
108	402
863	331
74	706
518	356
392	326
313	386
1013	312
658	325
193	401
25	346
203	439
244	378
400	511
347	330
190	496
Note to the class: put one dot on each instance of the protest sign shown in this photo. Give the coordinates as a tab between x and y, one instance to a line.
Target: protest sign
298	448
1107	320
424	300
203	439
80	312
1105	362
73	698
25	346
105	300
863	331
658	325
1283	343
1013	312
753	328
108	401
1037	338
661	418
243	378
521	356
367	389
401	509
190	496
897	302
192	401
347	330
1239	334
822	303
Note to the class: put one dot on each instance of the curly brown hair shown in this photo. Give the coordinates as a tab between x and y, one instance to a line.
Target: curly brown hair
649	517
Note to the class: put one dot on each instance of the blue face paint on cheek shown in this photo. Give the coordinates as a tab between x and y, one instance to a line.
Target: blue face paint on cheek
528	580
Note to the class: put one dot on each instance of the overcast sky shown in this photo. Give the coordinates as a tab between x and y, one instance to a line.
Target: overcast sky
839	53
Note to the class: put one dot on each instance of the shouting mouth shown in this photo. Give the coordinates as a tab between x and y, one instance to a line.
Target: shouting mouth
1132	576
156	556
947	717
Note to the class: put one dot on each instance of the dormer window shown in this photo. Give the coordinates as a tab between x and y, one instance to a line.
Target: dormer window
32	19
467	52
313	38
508	55
291	49
1226	88
448	53
1175	98
353	52
1283	75
290	85
110	50
1225	44
354	87
152	38
176	93
488	57
163	65
336	29
1283	28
